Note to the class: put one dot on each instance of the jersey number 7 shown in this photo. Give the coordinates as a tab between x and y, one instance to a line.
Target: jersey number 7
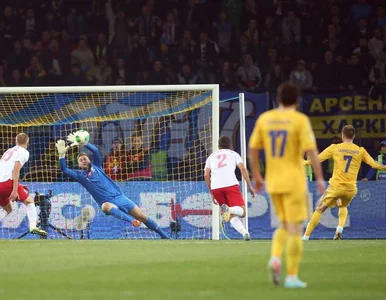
278	135
348	158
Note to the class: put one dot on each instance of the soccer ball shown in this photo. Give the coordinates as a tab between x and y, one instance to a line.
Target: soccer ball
82	137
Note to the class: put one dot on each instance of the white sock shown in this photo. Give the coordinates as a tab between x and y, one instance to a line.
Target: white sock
32	215
236	210
238	225
339	229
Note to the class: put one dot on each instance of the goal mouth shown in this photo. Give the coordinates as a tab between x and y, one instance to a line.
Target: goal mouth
163	136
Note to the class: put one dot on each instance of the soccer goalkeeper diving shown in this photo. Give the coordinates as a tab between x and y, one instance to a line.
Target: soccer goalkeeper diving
102	188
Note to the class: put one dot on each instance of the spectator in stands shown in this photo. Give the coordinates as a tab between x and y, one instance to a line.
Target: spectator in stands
291	25
248	75
74	22
76	77
171	31
380	17
252	33
274	78
139	167
326	75
269	33
206	59
120	70
18	58
52	24
35	74
270	61
188	46
15	79
103	73
54	62
102	49
226	77
158	75
116	161
376	43
361	9
223	30
301	76
30	24
381	159
186	76
83	56
143	56
243	47
377	74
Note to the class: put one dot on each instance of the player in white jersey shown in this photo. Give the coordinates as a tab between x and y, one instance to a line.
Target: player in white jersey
222	182
10	189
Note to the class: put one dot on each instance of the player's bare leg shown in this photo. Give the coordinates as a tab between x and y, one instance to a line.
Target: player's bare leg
32	217
8	209
315	219
294	253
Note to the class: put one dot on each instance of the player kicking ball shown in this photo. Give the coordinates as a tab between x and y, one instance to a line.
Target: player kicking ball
102	188
10	189
342	188
221	180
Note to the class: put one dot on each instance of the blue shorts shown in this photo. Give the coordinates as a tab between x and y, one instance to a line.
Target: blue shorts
124	204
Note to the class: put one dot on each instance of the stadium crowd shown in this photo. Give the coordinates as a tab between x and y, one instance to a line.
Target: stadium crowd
249	45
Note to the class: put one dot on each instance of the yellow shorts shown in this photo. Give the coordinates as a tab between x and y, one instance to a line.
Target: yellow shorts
335	197
291	207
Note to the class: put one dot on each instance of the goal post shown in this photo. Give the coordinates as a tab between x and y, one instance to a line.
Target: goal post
177	125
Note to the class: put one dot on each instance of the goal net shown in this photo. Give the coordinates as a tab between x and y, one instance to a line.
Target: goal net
154	141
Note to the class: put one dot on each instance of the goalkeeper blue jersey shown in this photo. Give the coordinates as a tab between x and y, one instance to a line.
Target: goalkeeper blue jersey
95	180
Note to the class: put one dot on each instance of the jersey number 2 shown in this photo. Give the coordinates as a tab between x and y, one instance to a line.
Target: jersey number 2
275	135
221	158
348	158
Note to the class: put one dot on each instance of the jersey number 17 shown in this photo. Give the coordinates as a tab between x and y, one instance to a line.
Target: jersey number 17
281	136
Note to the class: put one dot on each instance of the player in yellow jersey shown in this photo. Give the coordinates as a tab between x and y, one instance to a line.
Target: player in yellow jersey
285	135
342	188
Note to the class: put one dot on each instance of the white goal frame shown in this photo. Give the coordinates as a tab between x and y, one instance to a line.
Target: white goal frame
143	88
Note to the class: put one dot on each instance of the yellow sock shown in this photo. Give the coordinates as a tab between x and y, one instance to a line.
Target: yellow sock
315	219
279	239
294	253
342	214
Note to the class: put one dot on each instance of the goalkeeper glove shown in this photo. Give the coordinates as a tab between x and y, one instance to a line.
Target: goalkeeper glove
71	139
62	149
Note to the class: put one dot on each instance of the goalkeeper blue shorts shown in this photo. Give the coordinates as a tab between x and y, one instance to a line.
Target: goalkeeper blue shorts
124	203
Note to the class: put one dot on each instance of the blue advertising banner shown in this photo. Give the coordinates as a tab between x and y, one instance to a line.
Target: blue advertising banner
330	112
75	213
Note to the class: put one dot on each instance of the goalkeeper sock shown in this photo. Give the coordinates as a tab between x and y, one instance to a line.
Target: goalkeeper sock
313	222
155	227
238	225
116	212
236	210
31	215
294	252
342	214
279	240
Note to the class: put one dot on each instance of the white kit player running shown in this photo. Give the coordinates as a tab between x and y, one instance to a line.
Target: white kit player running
222	182
10	189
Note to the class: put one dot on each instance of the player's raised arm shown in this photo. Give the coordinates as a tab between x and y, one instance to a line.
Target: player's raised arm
62	150
96	156
371	162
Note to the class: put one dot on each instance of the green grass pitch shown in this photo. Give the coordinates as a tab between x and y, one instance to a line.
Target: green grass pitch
125	269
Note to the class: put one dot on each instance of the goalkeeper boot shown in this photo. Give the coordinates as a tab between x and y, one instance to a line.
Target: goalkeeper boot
293	282
274	270
225	212
38	231
246	237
